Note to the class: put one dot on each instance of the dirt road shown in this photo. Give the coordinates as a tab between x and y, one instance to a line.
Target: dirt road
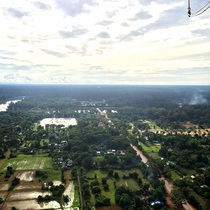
187	206
144	159
168	186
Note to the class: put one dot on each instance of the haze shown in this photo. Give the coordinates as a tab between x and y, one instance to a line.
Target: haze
104	42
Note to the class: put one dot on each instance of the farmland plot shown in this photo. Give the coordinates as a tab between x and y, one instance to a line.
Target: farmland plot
27	199
4	186
24	185
27	162
24	195
25	175
31	204
69	191
3	194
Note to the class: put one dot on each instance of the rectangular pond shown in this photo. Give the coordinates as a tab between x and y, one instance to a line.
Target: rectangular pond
58	121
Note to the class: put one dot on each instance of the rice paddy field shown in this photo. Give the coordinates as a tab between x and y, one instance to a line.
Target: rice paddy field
27	162
29	188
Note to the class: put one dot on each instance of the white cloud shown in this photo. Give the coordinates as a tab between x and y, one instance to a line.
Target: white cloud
121	41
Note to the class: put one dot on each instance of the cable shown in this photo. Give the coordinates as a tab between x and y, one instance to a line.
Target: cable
196	14
200	11
202	7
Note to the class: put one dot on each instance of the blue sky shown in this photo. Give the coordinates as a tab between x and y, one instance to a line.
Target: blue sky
104	42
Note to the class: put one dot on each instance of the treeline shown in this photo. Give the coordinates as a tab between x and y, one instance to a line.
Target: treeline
171	117
168	106
115	95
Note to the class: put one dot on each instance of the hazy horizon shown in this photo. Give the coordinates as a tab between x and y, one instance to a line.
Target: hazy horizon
100	84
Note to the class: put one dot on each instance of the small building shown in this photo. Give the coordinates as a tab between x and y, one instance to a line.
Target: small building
192	177
111	151
98	152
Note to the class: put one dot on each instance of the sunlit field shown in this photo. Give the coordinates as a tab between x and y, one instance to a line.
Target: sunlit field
27	162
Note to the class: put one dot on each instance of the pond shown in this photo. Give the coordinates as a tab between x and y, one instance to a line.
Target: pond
58	121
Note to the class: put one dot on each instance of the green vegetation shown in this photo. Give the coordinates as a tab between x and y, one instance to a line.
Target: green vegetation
153	126
27	162
104	167
125	179
174	175
150	149
35	126
76	202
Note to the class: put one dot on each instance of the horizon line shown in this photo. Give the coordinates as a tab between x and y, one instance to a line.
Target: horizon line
104	84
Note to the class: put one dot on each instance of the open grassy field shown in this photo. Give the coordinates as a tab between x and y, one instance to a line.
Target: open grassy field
53	175
99	174
127	172
112	182
110	193
154	155
174	175
149	149
35	126
128	183
27	162
153	125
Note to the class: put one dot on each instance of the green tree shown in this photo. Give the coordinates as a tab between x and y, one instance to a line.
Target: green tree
177	197
88	163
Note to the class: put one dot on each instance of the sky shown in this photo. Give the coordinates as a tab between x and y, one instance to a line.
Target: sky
104	42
